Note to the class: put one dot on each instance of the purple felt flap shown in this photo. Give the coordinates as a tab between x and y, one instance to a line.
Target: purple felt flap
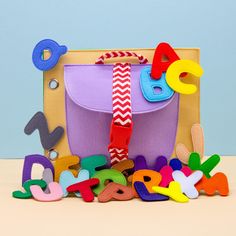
88	104
90	86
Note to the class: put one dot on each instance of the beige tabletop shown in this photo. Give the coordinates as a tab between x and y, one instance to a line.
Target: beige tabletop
71	216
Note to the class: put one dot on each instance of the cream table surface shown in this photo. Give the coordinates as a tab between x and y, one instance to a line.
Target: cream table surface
71	216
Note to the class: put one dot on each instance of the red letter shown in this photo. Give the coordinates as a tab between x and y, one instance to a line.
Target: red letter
159	66
84	188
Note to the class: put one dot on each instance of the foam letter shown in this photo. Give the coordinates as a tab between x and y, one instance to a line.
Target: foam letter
48	178
148	86
173	191
149	177
106	175
174	71
116	191
187	183
125	167
67	179
207	166
145	195
64	163
54	195
141	164
84	188
27	194
30	161
158	65
92	162
217	182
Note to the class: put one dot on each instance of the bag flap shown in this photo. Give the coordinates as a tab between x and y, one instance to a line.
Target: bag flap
90	86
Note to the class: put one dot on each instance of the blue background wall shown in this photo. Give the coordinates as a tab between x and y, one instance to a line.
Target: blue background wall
210	25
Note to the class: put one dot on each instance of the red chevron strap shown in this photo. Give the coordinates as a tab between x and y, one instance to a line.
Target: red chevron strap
108	55
121	97
121	125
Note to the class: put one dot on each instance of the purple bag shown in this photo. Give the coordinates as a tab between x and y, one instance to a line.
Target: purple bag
88	101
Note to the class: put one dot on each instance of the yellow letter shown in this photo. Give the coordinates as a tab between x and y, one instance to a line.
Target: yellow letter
175	69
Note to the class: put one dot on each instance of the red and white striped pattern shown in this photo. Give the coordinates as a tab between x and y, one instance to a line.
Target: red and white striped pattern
118	155
100	60
121	97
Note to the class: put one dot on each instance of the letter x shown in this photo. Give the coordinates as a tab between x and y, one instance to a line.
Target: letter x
187	183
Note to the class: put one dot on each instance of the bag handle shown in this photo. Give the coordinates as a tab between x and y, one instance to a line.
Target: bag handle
114	54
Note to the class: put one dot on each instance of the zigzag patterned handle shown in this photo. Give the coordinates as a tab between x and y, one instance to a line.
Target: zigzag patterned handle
121	98
101	59
121	101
